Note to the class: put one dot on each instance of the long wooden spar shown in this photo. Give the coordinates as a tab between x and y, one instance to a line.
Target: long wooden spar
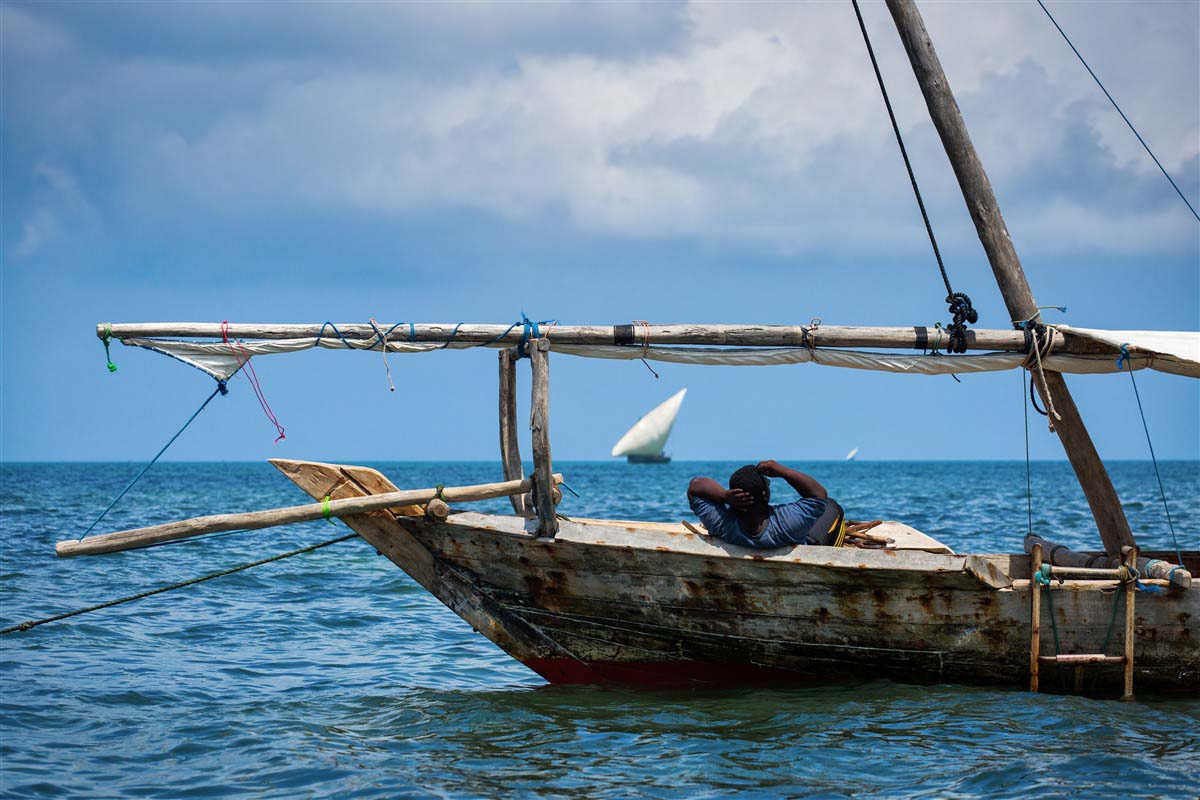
918	337
270	518
1006	266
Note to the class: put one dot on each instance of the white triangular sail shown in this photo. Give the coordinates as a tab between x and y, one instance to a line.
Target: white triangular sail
649	434
850	456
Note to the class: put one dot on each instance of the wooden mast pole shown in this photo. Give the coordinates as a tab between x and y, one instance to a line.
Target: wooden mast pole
1006	266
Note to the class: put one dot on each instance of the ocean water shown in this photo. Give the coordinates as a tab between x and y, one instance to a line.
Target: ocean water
332	675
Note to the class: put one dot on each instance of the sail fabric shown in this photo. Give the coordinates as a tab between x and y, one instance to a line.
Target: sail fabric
1177	352
1174	352
223	359
649	435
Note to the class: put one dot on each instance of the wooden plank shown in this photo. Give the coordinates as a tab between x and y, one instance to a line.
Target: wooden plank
1006	267
510	447
1083	658
269	518
539	426
916	337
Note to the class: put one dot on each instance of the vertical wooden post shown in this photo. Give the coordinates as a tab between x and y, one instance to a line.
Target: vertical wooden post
510	449
539	426
1035	617
993	233
1130	560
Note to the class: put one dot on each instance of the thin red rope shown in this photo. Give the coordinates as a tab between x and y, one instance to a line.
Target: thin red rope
252	377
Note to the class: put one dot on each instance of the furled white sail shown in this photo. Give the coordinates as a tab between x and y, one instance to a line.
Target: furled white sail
1176	352
649	434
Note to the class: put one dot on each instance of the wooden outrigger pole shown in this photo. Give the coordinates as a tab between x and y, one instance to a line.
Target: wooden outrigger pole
1006	266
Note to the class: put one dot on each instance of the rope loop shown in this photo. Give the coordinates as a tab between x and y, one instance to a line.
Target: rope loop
645	344
326	511
382	339
321	333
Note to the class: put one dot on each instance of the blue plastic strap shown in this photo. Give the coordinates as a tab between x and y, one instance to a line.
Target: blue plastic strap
335	330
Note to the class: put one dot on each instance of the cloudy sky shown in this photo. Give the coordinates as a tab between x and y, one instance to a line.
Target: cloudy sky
593	163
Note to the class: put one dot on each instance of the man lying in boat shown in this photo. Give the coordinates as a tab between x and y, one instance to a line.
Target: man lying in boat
743	514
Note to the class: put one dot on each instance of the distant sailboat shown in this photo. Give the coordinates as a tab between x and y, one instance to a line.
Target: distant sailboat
644	442
850	456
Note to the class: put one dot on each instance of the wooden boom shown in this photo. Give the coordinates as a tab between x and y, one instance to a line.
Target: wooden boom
254	520
918	337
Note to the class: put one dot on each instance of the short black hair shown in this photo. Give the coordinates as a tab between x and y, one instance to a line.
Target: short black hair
751	481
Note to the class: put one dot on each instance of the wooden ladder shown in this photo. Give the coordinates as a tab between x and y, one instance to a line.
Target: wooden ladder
1080	660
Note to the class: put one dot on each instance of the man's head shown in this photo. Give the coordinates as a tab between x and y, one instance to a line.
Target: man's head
752	482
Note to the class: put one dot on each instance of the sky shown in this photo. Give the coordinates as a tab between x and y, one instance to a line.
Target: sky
591	163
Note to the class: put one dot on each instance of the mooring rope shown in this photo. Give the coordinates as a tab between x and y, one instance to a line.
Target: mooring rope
1124	360
1083	61
960	309
221	389
24	626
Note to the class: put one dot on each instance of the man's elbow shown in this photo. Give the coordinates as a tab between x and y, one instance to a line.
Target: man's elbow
694	486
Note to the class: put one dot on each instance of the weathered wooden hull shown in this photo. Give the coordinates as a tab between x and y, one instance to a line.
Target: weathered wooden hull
653	604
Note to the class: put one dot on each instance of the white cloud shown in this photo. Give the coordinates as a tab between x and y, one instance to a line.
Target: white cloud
57	196
756	123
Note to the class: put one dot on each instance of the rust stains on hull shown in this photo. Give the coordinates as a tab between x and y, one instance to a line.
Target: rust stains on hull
605	602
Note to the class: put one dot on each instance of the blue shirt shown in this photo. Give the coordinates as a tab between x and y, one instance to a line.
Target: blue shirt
788	524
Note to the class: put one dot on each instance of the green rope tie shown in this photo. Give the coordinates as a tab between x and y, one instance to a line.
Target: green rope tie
326	510
108	335
438	493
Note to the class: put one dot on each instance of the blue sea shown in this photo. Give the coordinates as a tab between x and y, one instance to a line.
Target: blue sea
332	675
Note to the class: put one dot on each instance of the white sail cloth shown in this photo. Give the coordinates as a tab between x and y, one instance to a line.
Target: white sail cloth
1177	352
1174	352
649	435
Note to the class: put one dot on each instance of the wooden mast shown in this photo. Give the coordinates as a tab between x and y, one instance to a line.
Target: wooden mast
1006	266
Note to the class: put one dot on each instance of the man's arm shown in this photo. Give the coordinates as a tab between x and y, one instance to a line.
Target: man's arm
713	492
806	485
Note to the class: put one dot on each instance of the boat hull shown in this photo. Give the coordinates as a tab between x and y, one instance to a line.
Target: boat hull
655	605
658	459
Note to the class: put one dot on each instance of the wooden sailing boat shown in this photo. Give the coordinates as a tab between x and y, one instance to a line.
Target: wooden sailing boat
644	443
592	600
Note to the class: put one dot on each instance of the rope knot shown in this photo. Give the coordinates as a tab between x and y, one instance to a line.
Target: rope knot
1121	359
963	313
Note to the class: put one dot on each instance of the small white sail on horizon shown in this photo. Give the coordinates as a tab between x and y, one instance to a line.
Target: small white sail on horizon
850	456
648	436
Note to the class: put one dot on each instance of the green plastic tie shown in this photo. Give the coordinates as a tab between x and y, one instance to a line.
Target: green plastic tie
438	492
326	510
108	335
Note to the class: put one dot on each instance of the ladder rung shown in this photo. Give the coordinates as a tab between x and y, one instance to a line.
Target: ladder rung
1086	573
1083	658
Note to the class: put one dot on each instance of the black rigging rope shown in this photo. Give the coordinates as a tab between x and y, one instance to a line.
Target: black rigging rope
960	303
24	626
1079	55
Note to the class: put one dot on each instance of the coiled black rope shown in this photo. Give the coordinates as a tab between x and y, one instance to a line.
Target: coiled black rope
961	310
24	626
